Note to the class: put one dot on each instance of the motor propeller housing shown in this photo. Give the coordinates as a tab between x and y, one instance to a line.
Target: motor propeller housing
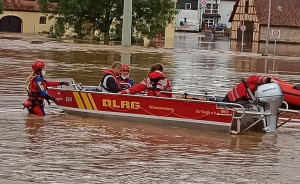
271	96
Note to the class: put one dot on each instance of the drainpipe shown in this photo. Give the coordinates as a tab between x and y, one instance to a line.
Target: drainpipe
268	30
215	20
243	32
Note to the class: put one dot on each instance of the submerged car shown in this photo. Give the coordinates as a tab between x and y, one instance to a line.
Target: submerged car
220	28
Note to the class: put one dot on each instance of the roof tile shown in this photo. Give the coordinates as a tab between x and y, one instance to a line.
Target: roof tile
283	12
19	5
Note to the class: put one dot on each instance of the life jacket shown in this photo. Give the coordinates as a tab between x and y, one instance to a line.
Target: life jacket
103	83
239	92
124	83
157	82
33	91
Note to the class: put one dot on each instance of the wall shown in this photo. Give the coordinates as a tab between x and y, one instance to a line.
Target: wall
30	21
225	9
181	4
189	14
287	34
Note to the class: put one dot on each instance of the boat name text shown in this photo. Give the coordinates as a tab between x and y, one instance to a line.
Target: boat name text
121	104
161	108
206	112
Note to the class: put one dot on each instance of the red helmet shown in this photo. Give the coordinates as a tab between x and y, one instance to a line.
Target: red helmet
125	67
38	65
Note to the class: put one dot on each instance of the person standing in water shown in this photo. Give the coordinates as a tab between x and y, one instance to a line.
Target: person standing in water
36	88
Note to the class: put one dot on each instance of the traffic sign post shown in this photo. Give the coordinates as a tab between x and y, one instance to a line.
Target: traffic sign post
203	3
275	36
243	28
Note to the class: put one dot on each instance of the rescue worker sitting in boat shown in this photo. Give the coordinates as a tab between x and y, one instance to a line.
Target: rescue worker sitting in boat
109	82
239	92
154	83
36	88
124	80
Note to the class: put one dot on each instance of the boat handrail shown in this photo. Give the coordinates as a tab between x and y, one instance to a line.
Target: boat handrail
188	94
283	111
236	107
77	86
239	106
289	110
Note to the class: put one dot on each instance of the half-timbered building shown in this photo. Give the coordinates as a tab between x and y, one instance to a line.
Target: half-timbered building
284	16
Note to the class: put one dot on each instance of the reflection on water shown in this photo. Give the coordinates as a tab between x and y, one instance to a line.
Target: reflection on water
61	148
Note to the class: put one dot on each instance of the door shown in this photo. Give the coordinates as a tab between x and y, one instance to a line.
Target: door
10	24
248	36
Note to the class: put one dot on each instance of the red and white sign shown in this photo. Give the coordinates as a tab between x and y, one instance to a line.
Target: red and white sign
243	28
203	3
276	34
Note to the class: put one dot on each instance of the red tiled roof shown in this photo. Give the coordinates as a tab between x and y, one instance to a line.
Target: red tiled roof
283	12
20	5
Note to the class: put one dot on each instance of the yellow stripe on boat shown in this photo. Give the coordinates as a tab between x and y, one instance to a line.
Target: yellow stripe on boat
86	101
78	100
92	101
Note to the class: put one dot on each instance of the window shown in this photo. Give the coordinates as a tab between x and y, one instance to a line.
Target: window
208	6
188	6
247	7
215	6
42	20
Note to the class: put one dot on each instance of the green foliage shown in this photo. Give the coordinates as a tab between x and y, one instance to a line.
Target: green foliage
58	29
103	18
1	6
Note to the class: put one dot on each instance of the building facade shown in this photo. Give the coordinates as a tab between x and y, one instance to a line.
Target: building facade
203	12
23	16
284	17
225	11
188	17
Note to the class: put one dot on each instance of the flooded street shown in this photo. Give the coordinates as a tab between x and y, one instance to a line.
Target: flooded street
61	148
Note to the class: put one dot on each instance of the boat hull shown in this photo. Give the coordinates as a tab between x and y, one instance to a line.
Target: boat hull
291	95
203	115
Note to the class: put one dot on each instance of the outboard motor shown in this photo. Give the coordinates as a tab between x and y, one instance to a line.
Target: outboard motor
271	96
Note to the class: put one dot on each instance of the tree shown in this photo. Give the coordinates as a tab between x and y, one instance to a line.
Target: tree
1	6
105	16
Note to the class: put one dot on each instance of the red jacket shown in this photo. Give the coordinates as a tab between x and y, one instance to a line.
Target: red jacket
239	92
156	77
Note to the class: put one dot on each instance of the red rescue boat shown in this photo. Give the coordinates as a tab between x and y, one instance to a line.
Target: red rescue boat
291	92
185	110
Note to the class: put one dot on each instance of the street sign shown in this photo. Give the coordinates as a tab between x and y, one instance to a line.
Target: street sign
276	34
243	28
203	3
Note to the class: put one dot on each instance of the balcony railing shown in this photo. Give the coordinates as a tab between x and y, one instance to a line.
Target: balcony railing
211	11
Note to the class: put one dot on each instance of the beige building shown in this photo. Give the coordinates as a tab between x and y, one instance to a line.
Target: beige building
23	17
285	17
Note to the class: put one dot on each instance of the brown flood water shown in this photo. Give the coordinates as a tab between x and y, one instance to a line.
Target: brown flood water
62	148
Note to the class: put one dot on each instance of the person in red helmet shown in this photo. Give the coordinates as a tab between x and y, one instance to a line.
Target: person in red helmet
239	92
124	79
155	83
36	88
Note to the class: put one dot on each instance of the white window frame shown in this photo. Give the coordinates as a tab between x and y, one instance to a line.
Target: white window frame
186	5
